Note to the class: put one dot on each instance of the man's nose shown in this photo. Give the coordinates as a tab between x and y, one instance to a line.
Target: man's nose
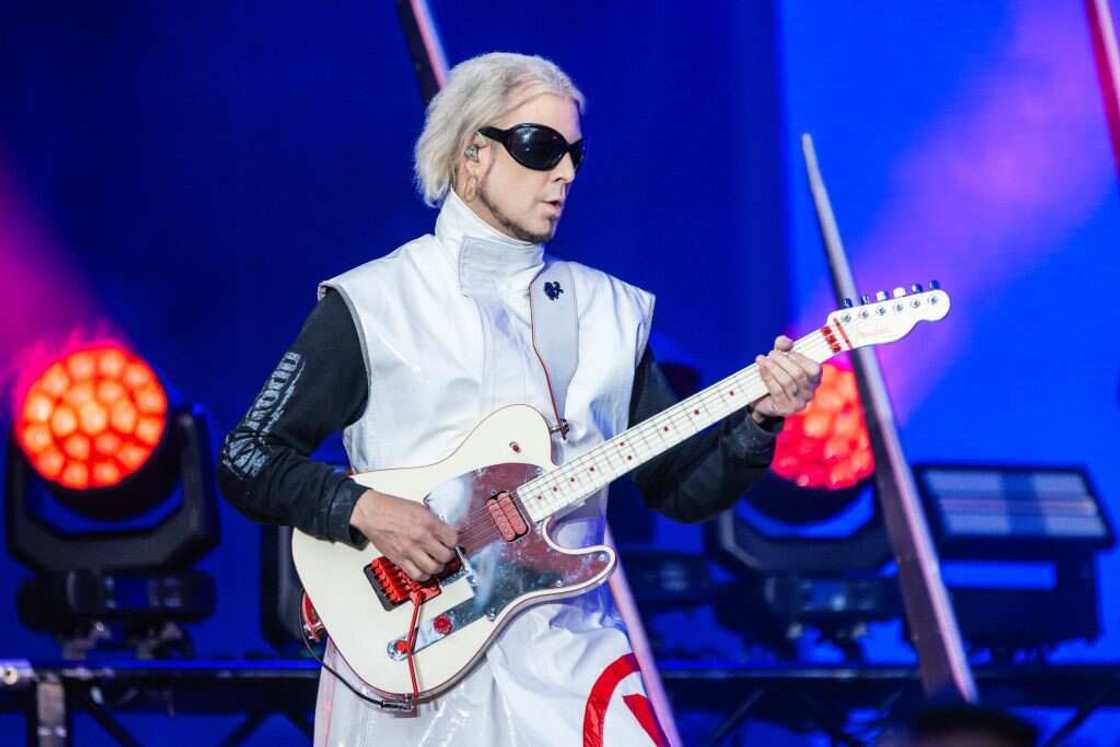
566	169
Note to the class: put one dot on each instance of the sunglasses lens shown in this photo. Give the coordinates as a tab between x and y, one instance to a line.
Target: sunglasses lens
577	153
537	147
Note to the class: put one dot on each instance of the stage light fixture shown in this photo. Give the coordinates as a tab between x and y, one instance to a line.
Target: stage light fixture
807	541
1017	515
109	490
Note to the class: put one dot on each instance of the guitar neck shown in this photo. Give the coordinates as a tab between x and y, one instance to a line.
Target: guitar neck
575	481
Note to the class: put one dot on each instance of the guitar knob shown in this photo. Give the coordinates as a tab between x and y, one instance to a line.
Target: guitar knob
880	295
848	303
916	288
865	298
934	285
898	292
443	624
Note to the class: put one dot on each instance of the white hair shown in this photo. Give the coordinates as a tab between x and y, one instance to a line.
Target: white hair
479	92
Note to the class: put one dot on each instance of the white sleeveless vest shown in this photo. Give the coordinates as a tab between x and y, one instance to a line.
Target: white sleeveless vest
445	330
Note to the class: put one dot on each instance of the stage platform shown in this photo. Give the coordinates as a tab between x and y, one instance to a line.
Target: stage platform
809	698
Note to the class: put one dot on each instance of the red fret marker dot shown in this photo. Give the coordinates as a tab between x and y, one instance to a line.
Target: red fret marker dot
695	412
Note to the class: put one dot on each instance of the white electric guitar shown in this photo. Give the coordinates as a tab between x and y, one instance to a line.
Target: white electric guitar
500	490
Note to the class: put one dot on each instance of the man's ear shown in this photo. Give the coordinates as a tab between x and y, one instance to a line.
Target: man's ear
473	153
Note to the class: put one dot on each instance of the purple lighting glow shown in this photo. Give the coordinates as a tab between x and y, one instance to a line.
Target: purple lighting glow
47	309
1017	161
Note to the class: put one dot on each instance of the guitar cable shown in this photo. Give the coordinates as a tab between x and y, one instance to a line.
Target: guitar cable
405	705
412	631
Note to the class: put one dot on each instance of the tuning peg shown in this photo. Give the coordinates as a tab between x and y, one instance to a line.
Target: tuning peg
848	303
898	292
865	298
934	285
880	295
916	288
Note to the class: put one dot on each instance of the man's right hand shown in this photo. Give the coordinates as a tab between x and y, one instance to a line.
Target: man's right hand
406	532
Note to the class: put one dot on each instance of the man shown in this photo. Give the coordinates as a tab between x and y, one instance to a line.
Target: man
407	353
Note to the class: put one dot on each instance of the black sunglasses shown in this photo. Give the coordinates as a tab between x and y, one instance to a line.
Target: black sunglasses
536	146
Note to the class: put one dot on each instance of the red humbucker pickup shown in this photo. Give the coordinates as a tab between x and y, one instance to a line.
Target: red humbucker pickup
506	516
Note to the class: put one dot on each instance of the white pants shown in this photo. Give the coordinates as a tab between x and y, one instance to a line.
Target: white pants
559	674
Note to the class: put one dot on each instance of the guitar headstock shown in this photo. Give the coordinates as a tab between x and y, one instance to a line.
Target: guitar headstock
886	318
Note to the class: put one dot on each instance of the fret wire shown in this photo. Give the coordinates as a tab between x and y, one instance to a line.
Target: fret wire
813	346
711	396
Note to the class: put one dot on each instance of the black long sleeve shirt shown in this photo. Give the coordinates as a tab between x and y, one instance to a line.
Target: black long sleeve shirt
320	386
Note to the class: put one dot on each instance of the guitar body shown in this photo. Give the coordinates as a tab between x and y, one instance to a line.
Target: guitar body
498	575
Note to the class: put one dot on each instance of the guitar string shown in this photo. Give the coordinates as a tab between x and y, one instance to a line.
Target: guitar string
479	528
676	415
572	474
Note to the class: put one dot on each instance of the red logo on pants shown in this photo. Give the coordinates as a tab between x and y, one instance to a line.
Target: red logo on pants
595	713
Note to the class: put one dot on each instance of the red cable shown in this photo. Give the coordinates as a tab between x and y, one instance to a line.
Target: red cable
412	630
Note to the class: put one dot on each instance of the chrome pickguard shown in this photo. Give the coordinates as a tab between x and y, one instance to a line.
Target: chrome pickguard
503	576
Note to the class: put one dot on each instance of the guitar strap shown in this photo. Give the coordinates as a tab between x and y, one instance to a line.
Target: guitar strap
554	317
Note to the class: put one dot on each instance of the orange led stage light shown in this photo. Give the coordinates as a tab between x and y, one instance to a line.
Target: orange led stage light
92	419
826	446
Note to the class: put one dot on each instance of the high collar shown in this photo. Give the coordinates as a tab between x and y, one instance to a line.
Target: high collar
487	259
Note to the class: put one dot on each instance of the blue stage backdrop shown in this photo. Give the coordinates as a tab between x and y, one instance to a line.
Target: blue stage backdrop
182	177
968	142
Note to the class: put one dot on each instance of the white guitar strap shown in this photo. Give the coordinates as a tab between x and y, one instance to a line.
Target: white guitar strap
554	317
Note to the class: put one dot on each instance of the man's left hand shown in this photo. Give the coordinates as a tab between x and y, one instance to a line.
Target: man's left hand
790	378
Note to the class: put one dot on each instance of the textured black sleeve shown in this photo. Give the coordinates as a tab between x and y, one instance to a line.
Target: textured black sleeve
319	386
707	473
